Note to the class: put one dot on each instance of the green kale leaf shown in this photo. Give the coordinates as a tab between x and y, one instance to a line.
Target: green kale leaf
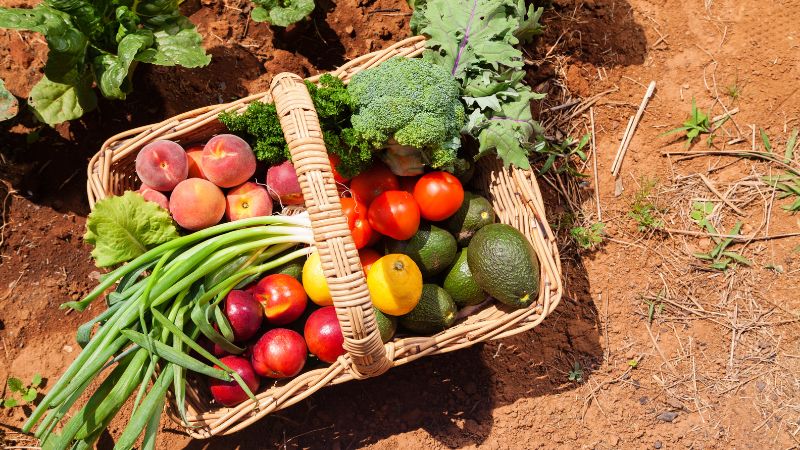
281	13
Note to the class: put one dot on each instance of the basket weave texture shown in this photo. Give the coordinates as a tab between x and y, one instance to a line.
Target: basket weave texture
514	194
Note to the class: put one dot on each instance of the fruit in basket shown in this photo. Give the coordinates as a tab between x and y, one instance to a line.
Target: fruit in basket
229	393
292	268
371	183
394	214
460	284
435	312
279	353
196	203
324	334
247	200
244	314
335	160
283	184
314	281
439	195
387	325
228	160
504	265
162	165
152	195
367	257
282	297
356	213
475	212
433	249
195	158
395	284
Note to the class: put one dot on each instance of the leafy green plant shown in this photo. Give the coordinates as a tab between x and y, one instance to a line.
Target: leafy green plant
588	237
788	185
25	394
719	258
281	13
576	373
565	151
100	43
476	42
8	103
698	123
643	210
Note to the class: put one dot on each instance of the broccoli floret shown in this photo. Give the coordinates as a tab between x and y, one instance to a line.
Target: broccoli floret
412	101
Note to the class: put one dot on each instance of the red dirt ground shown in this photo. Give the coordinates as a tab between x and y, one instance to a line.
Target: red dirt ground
726	366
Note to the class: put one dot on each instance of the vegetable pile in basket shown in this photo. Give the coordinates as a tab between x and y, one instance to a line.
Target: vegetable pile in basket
208	281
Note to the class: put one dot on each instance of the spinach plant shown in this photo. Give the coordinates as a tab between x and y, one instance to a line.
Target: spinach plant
100	43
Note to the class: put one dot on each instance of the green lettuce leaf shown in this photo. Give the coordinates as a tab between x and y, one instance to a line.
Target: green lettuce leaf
529	25
55	102
281	13
122	228
8	103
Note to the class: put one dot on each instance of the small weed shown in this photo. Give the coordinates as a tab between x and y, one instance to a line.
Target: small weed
642	209
26	394
719	258
564	150
588	237
734	90
788	183
699	123
654	307
633	363
576	374
777	268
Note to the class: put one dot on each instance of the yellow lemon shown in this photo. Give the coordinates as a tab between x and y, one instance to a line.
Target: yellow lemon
314	281
395	284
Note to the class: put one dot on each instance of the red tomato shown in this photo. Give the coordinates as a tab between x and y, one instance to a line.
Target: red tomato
407	184
367	257
439	195
335	160
353	209
362	233
369	184
395	214
283	298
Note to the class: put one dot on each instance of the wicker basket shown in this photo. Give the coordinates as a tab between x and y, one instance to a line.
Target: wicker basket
513	192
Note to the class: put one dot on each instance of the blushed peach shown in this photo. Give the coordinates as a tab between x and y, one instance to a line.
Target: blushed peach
196	204
195	158
228	160
247	200
162	165
283	184
152	195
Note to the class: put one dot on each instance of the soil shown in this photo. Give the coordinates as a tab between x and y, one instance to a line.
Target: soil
712	363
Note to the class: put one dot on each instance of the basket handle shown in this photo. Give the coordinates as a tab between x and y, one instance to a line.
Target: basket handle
340	262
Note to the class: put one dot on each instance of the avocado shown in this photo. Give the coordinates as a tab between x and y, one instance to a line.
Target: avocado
475	212
504	265
460	284
292	268
433	249
387	325
435	312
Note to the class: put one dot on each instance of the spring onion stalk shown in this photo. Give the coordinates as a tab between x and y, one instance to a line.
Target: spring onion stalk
164	300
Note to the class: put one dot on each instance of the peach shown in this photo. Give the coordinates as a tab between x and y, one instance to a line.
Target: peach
162	165
247	200
152	195
196	204
283	184
195	157
228	160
